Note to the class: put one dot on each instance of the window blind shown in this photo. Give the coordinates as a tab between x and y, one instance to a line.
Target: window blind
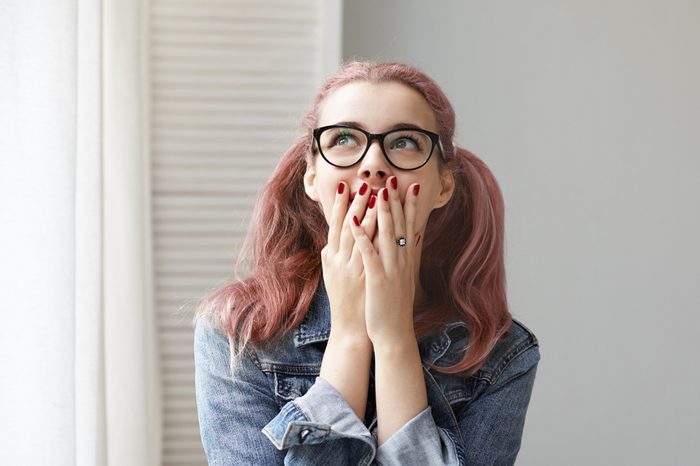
228	82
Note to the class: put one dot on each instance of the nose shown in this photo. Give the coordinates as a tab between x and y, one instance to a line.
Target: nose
374	167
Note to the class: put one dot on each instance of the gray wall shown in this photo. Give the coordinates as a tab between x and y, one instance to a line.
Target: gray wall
588	113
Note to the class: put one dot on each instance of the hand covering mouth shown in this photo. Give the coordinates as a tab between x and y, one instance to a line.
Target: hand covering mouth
372	191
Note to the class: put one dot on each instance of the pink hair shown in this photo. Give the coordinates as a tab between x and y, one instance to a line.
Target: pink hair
288	231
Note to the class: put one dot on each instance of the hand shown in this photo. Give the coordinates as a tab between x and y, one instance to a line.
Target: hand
343	271
390	268
347	358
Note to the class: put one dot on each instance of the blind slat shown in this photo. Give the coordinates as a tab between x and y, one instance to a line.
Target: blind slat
229	82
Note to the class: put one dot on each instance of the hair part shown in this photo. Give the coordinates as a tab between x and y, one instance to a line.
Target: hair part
288	231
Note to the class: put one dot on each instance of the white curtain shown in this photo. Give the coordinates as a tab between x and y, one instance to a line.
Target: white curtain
79	382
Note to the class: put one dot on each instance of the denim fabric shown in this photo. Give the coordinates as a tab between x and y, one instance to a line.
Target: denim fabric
274	409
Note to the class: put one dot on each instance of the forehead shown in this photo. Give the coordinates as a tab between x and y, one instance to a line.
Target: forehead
377	107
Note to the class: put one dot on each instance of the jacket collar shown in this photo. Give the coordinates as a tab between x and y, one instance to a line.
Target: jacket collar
316	328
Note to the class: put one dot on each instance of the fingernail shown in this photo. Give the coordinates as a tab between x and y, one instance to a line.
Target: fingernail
372	200
363	189
385	194
394	183
416	188
341	188
417	240
354	219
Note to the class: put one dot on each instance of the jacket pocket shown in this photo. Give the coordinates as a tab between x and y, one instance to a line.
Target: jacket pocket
289	387
457	390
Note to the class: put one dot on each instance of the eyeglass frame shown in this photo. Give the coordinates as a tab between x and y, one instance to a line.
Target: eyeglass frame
434	138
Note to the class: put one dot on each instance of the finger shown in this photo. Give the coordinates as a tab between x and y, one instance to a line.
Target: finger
409	208
385	233
397	211
356	209
356	255
369	223
340	207
370	258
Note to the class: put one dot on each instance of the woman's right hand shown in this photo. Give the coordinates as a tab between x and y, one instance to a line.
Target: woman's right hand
348	354
343	271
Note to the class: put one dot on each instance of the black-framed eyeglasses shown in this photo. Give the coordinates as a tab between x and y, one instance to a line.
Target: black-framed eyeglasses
405	148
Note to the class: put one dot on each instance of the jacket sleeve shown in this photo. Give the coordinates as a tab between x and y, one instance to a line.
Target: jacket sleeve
491	425
231	409
321	428
241	422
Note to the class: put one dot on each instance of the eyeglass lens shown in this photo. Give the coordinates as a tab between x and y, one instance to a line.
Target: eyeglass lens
405	148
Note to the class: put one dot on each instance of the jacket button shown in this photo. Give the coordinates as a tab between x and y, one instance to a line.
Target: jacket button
303	434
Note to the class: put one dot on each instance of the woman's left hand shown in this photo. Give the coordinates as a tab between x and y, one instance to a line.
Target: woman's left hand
389	268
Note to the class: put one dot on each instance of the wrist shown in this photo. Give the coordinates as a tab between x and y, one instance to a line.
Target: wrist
351	340
346	366
393	335
400	344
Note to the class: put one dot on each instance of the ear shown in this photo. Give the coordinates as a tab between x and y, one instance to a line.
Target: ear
447	180
310	179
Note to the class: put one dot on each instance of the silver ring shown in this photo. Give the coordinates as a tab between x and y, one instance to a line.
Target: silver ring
401	241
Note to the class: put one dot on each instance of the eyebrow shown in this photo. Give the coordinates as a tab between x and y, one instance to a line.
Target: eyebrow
395	126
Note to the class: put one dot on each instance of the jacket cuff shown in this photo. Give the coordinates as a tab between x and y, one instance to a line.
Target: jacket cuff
419	441
320	414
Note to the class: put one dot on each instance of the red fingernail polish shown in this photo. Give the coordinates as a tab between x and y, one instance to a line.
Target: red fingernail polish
363	189
372	200
385	194
416	188
417	240
394	182
341	188
354	219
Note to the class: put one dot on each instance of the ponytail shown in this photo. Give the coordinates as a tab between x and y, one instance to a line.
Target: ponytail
464	274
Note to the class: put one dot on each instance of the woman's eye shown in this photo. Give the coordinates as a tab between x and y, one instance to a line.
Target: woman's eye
343	139
406	143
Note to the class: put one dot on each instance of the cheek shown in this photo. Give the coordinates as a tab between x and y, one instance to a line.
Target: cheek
327	205
325	187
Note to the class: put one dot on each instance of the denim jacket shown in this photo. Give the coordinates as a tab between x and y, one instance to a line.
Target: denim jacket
274	409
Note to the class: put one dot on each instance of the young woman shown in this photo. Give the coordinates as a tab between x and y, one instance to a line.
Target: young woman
373	327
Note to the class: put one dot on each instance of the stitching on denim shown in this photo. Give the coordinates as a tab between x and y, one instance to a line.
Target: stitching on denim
460	453
492	376
456	396
305	339
298	410
449	407
254	356
287	388
291	369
